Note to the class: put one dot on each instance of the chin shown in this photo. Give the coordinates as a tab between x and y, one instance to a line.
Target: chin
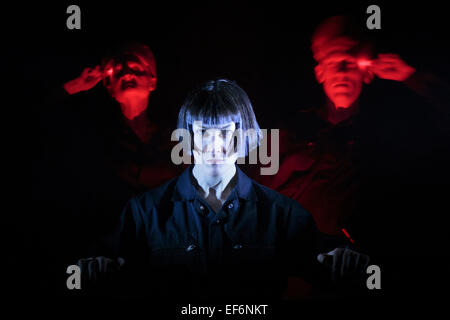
216	170
343	102
131	93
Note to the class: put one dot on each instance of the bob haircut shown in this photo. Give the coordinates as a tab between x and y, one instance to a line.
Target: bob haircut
221	101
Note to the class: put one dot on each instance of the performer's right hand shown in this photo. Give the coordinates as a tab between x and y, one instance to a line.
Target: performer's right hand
97	268
86	81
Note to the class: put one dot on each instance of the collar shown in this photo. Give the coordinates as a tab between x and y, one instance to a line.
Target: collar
185	189
347	115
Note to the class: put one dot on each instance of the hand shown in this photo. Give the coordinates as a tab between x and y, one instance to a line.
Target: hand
97	268
86	81
390	66
344	263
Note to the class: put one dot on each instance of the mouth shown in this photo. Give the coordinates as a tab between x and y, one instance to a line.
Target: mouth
126	84
214	161
341	84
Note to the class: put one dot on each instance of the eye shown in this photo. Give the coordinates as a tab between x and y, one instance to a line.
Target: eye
332	64
135	67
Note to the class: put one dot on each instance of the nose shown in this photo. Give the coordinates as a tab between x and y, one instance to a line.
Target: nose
217	145
125	70
214	145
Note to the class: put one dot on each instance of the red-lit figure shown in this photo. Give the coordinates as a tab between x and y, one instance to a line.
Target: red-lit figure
345	64
109	139
129	77
141	154
348	142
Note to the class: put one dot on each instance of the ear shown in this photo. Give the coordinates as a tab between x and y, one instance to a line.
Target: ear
152	84
318	70
368	76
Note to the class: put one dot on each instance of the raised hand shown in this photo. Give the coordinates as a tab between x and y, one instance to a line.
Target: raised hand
86	81
390	66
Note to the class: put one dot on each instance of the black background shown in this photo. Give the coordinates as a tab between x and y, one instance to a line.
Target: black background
264	47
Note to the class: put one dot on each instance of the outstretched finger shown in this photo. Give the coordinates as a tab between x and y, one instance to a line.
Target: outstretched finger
93	269
102	264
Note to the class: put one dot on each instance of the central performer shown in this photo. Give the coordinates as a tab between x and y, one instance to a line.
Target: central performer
213	232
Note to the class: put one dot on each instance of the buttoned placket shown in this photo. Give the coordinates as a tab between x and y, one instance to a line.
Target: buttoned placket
214	234
214	225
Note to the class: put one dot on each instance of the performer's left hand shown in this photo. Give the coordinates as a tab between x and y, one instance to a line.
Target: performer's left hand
344	263
390	66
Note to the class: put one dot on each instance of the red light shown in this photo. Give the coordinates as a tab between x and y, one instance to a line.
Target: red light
364	63
347	235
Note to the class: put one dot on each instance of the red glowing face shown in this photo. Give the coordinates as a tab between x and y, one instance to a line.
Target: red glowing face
342	75
129	79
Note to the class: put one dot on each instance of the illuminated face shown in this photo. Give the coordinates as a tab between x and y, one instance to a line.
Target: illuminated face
129	79
342	75
213	147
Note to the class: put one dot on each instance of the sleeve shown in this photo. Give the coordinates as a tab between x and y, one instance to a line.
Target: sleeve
131	246
436	92
130	240
57	99
57	95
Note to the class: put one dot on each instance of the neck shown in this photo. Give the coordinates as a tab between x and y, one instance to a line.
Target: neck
217	183
133	107
336	114
141	126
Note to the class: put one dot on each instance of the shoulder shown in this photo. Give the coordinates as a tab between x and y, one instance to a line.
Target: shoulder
289	213
269	195
154	198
